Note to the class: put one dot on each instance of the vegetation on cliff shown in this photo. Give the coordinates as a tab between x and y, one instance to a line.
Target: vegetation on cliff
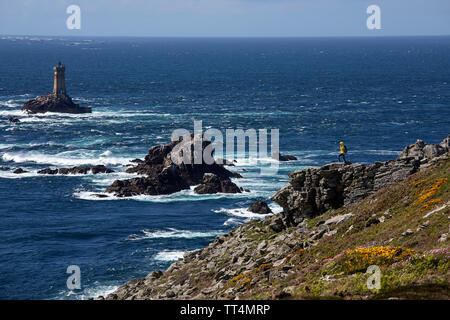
403	229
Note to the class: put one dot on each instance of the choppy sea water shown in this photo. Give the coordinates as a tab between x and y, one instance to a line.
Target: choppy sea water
375	94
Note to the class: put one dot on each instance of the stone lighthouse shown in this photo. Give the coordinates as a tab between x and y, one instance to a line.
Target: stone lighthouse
58	100
59	82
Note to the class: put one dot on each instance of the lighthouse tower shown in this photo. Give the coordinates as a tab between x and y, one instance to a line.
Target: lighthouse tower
59	82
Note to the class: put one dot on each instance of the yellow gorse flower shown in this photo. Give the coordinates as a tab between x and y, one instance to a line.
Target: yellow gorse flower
361	258
425	194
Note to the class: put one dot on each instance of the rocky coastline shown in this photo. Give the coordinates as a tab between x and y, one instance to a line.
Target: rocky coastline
313	191
328	212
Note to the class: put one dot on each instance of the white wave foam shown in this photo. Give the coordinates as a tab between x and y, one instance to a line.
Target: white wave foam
107	153
9	104
94	196
383	152
172	233
259	183
233	222
107	179
90	292
167	255
12	113
244	213
68	158
11	175
184	195
252	162
241	213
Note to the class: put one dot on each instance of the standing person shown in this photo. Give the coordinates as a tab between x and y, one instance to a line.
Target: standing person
343	150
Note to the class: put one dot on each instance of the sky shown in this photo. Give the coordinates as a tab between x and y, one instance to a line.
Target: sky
225	18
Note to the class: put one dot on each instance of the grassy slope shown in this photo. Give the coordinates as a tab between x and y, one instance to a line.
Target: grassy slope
254	262
329	270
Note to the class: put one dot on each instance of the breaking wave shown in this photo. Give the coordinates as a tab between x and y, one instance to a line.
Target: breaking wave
67	158
167	255
172	233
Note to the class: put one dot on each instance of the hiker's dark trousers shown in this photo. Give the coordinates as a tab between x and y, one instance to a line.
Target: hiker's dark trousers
343	157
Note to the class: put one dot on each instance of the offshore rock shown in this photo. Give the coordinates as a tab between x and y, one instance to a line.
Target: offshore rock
260	207
77	170
212	183
164	176
53	103
285	157
19	171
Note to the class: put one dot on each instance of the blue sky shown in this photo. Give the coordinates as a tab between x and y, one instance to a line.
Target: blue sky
225	18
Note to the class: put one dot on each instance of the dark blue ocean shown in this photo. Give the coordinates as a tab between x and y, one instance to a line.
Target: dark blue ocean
375	94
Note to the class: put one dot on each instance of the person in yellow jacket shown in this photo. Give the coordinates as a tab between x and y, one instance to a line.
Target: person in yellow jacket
343	150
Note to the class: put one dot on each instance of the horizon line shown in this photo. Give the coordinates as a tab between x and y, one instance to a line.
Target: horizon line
228	37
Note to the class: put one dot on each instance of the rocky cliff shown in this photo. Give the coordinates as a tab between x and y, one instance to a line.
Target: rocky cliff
393	214
313	191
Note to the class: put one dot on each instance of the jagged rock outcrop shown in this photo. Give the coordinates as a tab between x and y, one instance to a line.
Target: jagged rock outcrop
283	157
163	175
19	171
212	183
260	207
166	182
421	150
313	191
53	103
77	170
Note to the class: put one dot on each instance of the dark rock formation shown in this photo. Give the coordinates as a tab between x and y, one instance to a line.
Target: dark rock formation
285	157
421	150
19	171
100	169
165	182
53	103
260	207
163	175
212	183
77	170
48	171
313	191
13	120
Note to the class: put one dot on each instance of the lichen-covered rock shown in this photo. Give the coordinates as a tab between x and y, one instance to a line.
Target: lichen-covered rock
313	191
53	103
421	150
